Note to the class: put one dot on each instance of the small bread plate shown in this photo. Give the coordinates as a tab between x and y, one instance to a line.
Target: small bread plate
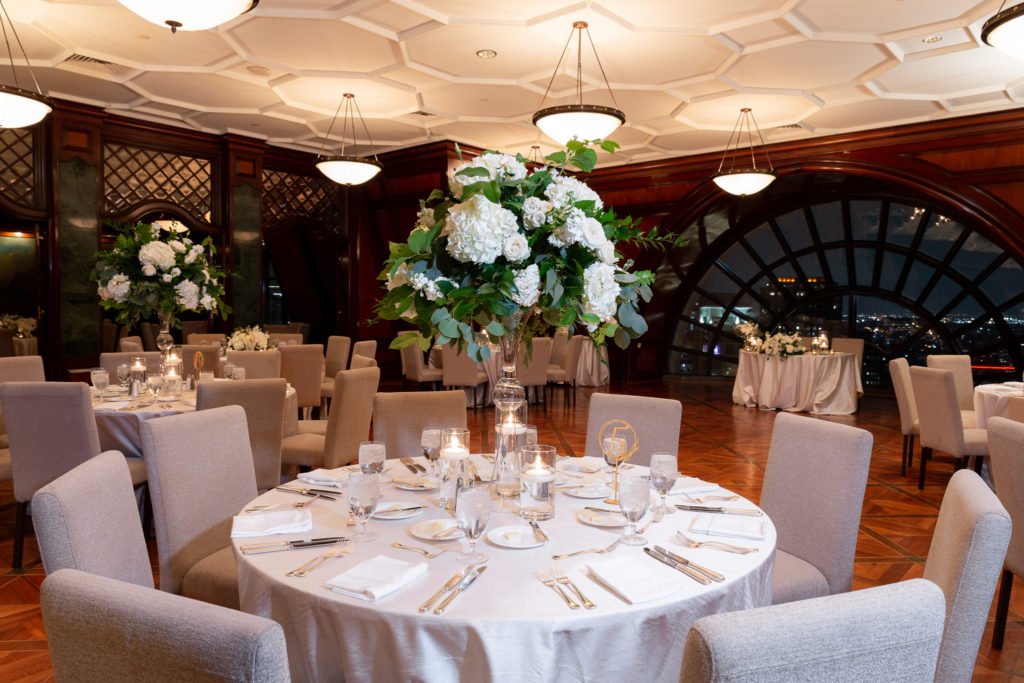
431	529
515	536
605	519
414	482
587	491
396	509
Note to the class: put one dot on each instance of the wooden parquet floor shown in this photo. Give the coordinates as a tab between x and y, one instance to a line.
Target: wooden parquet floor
718	441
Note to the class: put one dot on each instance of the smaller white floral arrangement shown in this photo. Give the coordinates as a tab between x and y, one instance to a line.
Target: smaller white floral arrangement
747	330
782	345
249	339
24	326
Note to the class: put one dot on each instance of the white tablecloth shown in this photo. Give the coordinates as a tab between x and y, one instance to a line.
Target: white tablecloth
508	626
990	400
26	346
825	384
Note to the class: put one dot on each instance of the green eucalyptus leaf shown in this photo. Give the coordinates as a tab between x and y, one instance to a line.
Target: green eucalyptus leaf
449	328
621	338
496	328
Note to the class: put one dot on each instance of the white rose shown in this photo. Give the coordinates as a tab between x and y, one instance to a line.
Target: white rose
592	233
516	247
600	290
606	252
167	277
175	271
177	246
148	270
535	212
527	283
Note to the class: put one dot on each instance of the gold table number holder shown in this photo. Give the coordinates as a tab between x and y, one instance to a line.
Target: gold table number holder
617	448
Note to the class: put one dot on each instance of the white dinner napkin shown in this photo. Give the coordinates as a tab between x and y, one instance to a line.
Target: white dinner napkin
376	577
588	463
267	522
692	486
636	578
321	477
724	525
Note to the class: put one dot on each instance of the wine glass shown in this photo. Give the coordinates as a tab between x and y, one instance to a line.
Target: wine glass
123	373
663	476
634	497
363	494
472	510
100	379
430	442
371	457
154	383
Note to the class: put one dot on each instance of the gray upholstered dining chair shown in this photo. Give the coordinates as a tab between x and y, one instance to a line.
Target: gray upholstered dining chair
303	367
16	369
940	417
87	519
963	380
335	360
533	371
200	474
459	370
416	370
285	338
102	629
359	361
399	417
885	633
1006	458
257	364
193	327
565	374
148	332
366	347
656	421
110	361
813	490
910	425
131	344
968	546
852	345
263	401
1015	408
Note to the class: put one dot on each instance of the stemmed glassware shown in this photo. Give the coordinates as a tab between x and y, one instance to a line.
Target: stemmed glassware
430	442
371	457
363	495
100	379
634	498
472	511
123	373
154	383
664	470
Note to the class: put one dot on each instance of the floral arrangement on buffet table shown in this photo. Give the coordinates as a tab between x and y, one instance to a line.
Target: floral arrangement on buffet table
516	251
249	339
782	344
156	269
24	326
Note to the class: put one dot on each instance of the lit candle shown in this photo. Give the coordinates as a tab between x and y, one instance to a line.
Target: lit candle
138	366
538	473
511	427
454	450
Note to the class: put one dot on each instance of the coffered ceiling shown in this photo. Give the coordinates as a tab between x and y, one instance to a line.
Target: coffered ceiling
679	69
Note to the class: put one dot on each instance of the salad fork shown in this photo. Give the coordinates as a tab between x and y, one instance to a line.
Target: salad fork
426	553
718	545
340	549
545	577
599	551
275	506
561	577
704	499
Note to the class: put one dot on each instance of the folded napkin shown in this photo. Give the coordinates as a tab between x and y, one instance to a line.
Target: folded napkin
588	463
321	477
636	578
733	527
691	486
376	577
267	522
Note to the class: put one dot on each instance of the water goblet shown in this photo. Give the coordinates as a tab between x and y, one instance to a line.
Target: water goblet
472	511
371	457
363	494
634	497
100	379
430	442
663	476
154	383
123	374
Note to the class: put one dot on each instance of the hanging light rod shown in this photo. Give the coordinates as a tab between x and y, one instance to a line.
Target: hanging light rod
581	121
189	15
739	179
1005	30
345	169
19	107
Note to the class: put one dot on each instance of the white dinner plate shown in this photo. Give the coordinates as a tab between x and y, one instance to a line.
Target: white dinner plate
428	528
515	536
592	491
605	519
415	483
384	506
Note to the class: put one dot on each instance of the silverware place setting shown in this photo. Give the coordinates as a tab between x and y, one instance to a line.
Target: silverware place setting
598	551
339	549
716	545
426	553
460	588
546	576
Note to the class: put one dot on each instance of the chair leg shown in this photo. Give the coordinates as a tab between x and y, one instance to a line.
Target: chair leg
1002	609
903	456
20	517
147	512
926	453
910	452
979	460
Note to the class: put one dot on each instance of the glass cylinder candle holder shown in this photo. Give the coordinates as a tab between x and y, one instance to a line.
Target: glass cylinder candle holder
455	465
170	390
137	376
537	483
509	438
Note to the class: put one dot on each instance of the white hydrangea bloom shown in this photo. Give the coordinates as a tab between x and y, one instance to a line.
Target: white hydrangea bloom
193	253
566	191
157	254
177	245
477	229
499	167
187	294
571	231
118	288
600	290
527	282
516	247
207	302
535	212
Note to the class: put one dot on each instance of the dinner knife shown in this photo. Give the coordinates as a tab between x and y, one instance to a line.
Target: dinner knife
306	489
538	533
390	511
466	582
693	574
710	573
719	510
256	548
450	584
604	510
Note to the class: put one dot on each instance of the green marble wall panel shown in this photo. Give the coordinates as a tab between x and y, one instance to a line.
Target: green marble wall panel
245	212
77	226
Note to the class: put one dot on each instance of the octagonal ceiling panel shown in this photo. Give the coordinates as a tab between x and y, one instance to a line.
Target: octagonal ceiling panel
690	142
324	94
67	84
863	16
496	136
324	46
875	113
383	131
949	75
465	101
474	11
254	124
806	65
694	15
769	111
761	35
678	58
391	17
203	92
452	50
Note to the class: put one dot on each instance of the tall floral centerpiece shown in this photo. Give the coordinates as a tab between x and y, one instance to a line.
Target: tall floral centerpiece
23	326
783	345
156	269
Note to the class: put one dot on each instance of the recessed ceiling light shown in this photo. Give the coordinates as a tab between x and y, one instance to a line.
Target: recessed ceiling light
258	70
931	39
486	54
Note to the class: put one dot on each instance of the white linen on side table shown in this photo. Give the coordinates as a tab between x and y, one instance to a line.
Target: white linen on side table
990	400
820	384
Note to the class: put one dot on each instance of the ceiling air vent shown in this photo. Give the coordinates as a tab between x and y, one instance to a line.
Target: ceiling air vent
424	114
788	126
93	64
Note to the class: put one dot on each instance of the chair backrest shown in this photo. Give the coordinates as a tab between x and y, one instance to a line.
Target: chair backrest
366	347
963	379
351	414
199	338
533	372
210	363
1006	459
301	328
22	369
148	332
110	361
1015	408
51	429
402	355
193	327
87	519
458	369
886	633
263	401
655	420
899	372
559	347
850	345
399	417
278	329
101	629
806	342
303	366
257	364
413	364
938	410
965	560
108	335
571	362
6	342
132	344
359	362
819	466
285	338
201	474
336	357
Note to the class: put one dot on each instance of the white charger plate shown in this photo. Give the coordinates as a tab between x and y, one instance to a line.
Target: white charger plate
513	536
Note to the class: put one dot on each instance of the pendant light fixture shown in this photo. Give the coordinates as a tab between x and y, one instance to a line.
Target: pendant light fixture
737	178
580	121
20	108
189	15
344	169
1005	30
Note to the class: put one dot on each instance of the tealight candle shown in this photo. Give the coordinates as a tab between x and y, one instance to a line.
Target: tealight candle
537	479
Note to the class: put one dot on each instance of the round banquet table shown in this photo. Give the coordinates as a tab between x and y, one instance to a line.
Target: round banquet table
507	626
990	400
826	384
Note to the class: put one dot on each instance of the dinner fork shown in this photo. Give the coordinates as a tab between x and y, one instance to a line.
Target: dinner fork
561	577
340	549
426	553
545	577
275	506
659	514
704	499
599	551
718	545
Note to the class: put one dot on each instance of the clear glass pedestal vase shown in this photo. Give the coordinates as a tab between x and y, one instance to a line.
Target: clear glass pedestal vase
164	340
510	408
